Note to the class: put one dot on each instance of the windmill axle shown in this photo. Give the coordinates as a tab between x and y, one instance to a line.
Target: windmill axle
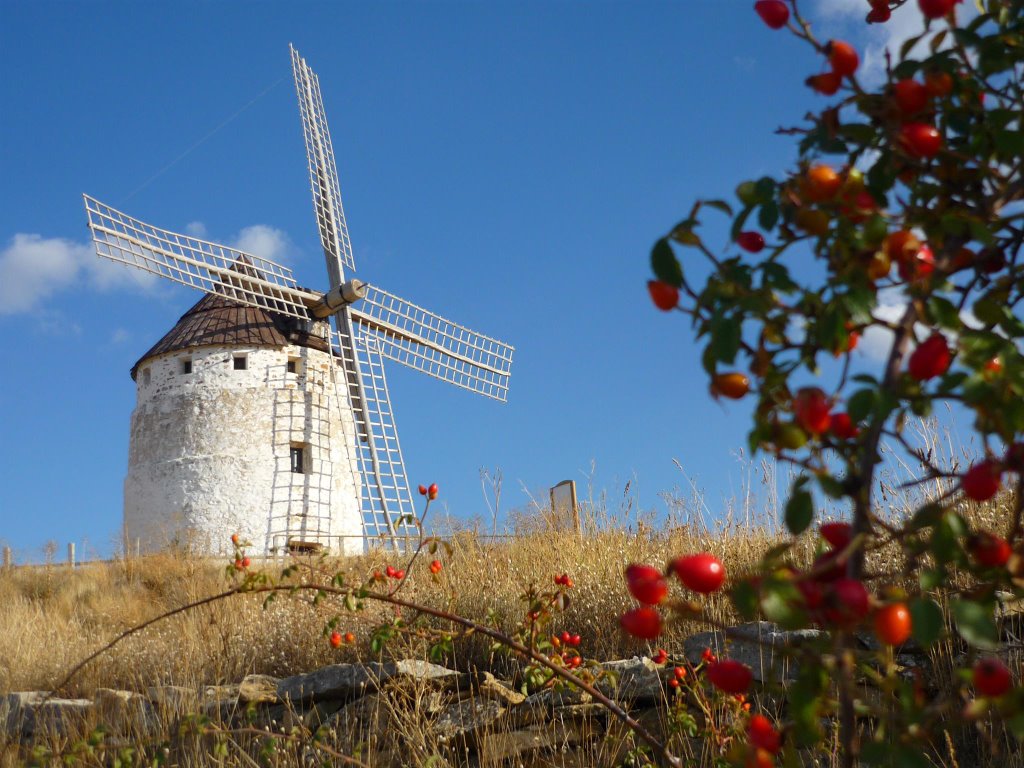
346	293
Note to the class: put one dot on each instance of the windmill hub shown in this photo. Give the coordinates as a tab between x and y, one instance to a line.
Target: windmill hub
252	414
336	298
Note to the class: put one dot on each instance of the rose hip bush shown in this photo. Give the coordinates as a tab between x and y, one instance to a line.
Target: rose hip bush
912	192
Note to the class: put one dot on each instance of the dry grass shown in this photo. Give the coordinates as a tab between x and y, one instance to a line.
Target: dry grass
54	616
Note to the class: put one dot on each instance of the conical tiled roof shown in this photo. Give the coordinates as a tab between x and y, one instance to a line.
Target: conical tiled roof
218	321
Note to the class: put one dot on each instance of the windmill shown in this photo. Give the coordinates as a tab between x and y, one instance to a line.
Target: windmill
351	456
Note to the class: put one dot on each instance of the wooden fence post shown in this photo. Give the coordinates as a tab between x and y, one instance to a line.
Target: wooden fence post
71	554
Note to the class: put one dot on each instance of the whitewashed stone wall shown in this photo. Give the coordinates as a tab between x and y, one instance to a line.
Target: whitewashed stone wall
209	453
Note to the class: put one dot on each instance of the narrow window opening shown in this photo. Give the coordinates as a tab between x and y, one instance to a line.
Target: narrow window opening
241	362
186	366
145	377
294	365
299	461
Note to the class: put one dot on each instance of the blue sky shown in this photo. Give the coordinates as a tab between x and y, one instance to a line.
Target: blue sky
505	165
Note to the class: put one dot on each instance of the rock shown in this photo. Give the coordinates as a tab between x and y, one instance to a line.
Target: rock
493	688
761	645
258	689
124	713
26	713
466	718
173	698
348	681
551	699
637	679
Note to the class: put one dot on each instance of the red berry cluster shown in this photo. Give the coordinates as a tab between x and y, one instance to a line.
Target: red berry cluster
394	573
702	573
336	639
429	491
564	581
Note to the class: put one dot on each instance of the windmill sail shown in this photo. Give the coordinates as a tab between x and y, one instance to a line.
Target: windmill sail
200	264
385	496
427	342
323	174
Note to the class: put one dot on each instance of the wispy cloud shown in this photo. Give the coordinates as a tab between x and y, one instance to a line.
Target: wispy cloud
35	269
846	17
265	242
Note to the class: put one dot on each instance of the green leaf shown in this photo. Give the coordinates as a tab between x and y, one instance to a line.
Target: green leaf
799	511
861	404
665	265
944	312
768	216
721	205
744	597
926	620
765	188
1010	142
988	311
908	45
725	338
976	623
782	603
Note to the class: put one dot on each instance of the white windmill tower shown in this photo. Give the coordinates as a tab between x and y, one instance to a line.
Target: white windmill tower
253	415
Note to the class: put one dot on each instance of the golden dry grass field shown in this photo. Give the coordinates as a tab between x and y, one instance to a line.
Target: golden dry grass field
53	616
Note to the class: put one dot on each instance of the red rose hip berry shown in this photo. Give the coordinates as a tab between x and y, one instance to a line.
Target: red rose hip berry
811	409
730	676
774	13
921	139
827	83
752	242
838	535
935	9
991	677
762	734
842	57
892	624
989	550
847	603
664	296
981	482
931	358
702	573
646	583
644	623
911	96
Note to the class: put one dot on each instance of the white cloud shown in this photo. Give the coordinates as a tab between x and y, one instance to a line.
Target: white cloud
892	303
120	336
196	229
877	340
34	268
848	16
265	242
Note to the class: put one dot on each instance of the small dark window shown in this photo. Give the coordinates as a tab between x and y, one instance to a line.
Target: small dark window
298	456
186	366
145	378
292	366
241	363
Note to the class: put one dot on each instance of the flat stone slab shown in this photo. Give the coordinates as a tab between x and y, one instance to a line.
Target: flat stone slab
348	681
258	689
761	645
25	713
123	712
637	679
466	718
